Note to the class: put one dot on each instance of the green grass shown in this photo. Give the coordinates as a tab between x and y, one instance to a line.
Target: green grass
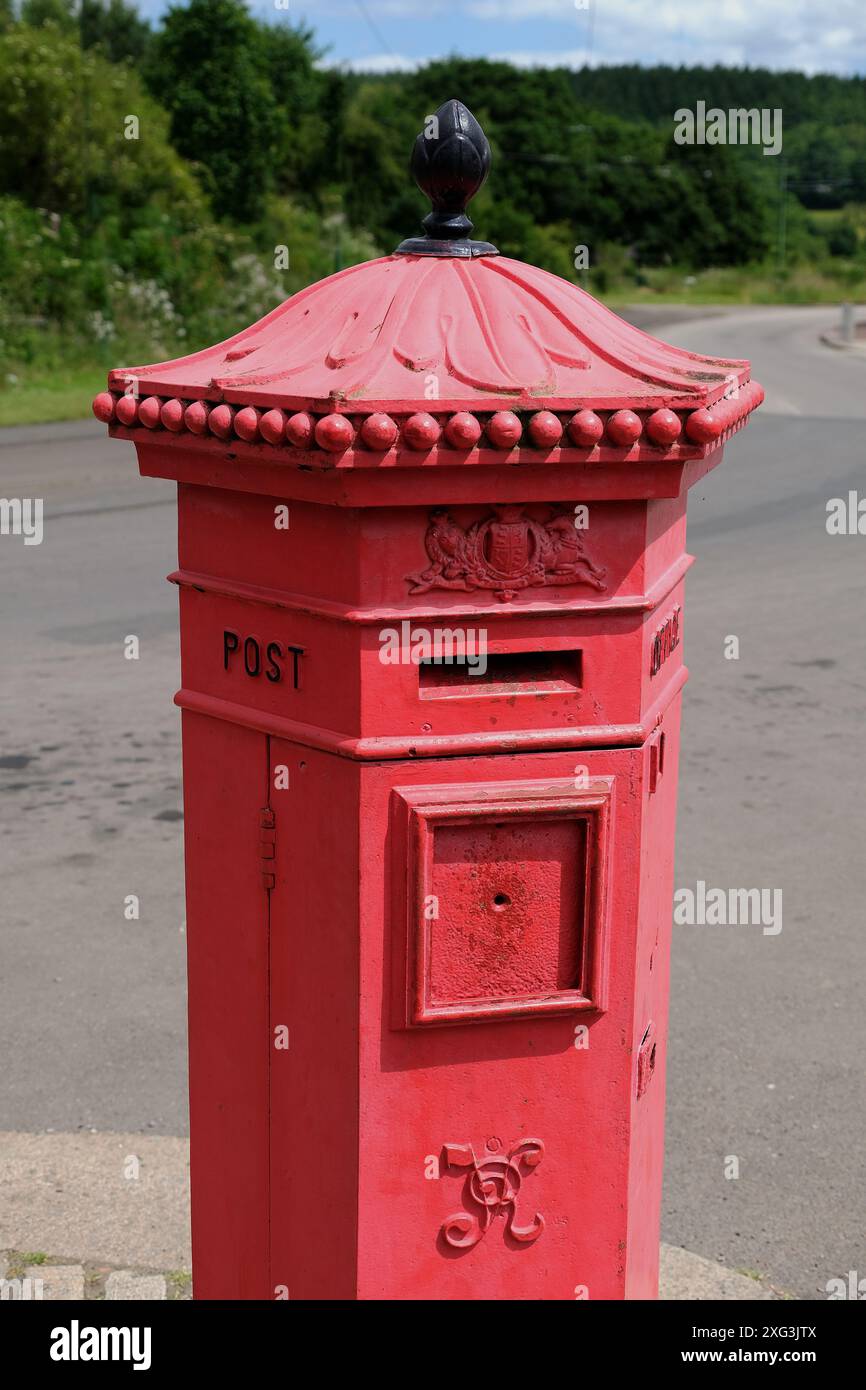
823	218
805	284
178	1284
41	395
19	1260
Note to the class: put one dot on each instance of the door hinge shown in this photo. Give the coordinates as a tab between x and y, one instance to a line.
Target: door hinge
657	761
267	847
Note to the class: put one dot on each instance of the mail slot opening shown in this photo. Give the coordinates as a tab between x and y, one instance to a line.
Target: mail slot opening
500	673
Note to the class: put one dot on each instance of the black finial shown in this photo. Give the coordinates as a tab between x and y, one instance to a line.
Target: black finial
450	161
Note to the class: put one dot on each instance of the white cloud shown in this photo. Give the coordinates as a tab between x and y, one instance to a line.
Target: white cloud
556	58
773	34
526	9
377	62
398	62
776	34
379	10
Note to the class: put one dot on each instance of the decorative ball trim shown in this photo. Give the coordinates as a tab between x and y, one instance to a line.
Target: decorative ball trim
504	429
103	407
246	424
624	428
664	427
126	409
220	420
463	430
149	412
545	429
171	415
334	433
585	429
379	432
273	426
299	430
195	417
421	431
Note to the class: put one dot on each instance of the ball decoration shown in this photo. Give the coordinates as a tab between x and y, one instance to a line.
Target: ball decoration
664	427
421	431
195	417
463	430
272	426
127	410
299	429
702	426
624	428
504	429
379	432
220	421
149	412
545	429
246	424
585	429
334	433
171	415
103	407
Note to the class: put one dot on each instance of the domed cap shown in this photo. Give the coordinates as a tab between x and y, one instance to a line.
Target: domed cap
447	344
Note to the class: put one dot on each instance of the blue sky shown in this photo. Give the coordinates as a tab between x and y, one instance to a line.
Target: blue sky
376	35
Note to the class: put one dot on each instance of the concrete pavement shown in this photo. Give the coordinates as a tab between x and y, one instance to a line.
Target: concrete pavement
121	1200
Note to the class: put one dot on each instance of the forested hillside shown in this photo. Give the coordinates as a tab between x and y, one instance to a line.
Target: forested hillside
162	187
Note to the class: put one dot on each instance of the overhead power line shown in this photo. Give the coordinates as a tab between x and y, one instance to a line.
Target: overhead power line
374	28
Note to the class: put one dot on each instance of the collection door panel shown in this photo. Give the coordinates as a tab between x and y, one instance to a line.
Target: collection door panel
225	790
498	961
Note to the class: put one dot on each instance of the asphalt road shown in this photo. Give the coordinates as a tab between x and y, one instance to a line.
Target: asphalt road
768	1033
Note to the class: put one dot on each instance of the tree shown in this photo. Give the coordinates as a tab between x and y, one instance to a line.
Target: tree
36	13
309	101
64	116
115	27
378	134
722	219
842	239
208	68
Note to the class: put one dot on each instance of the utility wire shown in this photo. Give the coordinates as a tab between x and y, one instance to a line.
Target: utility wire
374	28
590	24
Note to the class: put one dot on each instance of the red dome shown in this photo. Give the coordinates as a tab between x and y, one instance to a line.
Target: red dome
414	332
443	349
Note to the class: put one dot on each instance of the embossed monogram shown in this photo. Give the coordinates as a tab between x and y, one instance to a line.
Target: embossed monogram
492	1187
506	552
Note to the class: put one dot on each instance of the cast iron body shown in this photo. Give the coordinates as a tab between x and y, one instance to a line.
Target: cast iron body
428	912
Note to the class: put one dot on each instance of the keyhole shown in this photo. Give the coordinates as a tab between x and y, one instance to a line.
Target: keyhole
500	901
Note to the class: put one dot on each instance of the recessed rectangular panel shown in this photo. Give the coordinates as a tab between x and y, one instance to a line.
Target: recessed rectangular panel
510	898
504	896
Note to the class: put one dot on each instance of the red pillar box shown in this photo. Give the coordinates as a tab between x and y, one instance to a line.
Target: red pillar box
429	903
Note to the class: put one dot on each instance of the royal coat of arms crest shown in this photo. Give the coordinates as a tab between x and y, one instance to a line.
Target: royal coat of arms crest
506	552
